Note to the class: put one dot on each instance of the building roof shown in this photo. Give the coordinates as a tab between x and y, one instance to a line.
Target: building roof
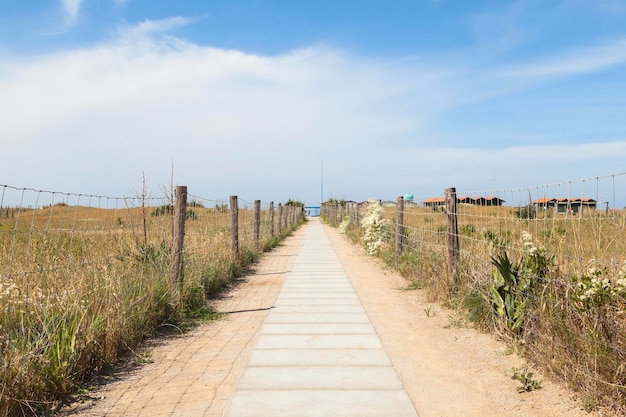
563	200
435	200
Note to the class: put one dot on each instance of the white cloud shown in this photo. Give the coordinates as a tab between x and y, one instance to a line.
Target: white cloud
71	9
579	61
152	27
92	120
133	106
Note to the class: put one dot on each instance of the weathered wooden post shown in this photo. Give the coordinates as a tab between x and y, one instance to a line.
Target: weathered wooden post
399	226
453	237
234	227
271	219
178	235
280	218
257	223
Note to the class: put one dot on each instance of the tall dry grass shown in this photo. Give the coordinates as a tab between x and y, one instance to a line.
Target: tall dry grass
581	342
81	285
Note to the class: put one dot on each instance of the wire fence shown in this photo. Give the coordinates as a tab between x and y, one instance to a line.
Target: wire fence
83	278
544	266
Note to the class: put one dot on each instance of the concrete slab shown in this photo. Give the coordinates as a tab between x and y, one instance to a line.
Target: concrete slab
318	328
321	317
320	377
316	301
320	403
305	286
327	295
325	357
318	308
324	341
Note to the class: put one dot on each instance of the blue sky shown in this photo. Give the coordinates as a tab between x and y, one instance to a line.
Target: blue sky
249	97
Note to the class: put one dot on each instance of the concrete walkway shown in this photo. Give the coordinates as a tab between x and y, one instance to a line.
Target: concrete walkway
317	354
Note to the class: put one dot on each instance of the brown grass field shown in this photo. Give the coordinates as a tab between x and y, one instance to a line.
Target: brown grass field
81	285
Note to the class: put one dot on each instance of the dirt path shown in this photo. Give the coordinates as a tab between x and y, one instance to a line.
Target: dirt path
447	370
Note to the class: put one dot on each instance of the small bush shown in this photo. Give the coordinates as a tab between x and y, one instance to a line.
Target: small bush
527	212
373	225
477	307
468	229
163	210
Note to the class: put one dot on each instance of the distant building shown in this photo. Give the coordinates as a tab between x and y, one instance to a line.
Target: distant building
565	205
477	201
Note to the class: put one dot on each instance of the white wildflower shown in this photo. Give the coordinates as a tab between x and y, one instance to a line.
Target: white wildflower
343	227
373	224
528	239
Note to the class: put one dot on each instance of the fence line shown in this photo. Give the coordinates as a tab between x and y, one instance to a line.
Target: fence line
543	265
84	277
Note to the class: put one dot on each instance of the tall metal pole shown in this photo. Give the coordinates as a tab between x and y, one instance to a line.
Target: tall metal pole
322	183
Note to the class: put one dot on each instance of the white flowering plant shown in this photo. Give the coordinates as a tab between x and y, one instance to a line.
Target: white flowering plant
344	225
536	261
373	225
595	287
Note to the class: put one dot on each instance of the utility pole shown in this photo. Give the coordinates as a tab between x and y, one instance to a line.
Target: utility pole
322	183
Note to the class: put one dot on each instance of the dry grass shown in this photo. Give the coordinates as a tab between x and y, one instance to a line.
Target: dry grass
81	285
583	344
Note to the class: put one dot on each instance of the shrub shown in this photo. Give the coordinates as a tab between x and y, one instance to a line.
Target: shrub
163	210
373	225
468	229
345	223
527	212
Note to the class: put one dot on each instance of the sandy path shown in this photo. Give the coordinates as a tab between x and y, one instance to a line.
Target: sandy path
447	370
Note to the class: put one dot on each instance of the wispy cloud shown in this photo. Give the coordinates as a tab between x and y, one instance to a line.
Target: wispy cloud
579	61
71	9
501	28
149	28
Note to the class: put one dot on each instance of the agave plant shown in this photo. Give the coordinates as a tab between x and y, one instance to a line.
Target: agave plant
507	292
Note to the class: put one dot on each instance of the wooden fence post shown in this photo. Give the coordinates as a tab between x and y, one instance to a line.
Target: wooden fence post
234	227
453	237
271	218
178	234
399	226
257	223
280	218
